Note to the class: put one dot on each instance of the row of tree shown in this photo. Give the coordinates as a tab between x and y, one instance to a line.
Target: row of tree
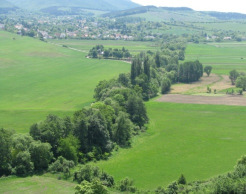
100	52
151	71
238	79
90	134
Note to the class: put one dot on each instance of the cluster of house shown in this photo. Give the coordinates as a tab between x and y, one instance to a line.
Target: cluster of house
83	34
2	26
215	37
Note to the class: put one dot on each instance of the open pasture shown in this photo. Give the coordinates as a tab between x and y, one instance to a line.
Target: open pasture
223	57
37	78
35	184
134	47
200	141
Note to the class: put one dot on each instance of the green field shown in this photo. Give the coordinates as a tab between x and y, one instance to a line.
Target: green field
223	25
224	57
35	184
200	141
135	47
38	78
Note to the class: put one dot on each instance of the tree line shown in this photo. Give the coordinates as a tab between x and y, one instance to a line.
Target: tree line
90	134
100	52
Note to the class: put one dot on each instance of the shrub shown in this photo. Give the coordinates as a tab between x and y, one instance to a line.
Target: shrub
208	70
165	85
126	185
241	82
89	173
60	165
182	180
95	187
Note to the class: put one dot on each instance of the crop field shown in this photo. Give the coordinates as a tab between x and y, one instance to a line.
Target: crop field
224	25
200	141
37	79
223	57
35	184
165	15
134	47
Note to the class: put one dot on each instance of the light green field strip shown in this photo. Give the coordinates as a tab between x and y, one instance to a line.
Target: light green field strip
200	141
38	78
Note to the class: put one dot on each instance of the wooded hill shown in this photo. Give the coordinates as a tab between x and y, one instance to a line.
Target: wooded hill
92	4
177	13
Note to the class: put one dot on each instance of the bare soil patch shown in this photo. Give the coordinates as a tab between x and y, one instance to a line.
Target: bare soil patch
218	82
196	87
189	99
223	83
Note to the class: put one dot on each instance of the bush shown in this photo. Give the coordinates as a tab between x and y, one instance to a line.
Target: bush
233	76
165	85
208	70
95	187
126	185
182	180
89	173
23	164
60	165
241	82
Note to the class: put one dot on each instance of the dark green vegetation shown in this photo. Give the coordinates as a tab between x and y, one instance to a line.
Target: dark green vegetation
208	70
100	52
177	13
190	72
92	4
40	79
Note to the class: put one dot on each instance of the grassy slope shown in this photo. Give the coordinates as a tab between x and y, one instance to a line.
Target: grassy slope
39	78
35	184
92	4
200	141
165	15
5	4
222	56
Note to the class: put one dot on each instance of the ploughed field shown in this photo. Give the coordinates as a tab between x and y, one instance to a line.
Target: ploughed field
38	78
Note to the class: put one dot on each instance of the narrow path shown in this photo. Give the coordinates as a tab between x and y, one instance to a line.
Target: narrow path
83	51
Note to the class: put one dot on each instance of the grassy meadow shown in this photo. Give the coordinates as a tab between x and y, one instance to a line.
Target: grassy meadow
200	141
134	47
223	57
35	184
37	78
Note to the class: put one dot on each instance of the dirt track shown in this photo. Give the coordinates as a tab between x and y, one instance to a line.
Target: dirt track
189	99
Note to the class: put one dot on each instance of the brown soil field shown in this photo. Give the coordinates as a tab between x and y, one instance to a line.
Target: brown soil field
213	81
190	99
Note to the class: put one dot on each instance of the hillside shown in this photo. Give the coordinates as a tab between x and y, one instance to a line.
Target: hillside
5	4
153	13
92	4
183	14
